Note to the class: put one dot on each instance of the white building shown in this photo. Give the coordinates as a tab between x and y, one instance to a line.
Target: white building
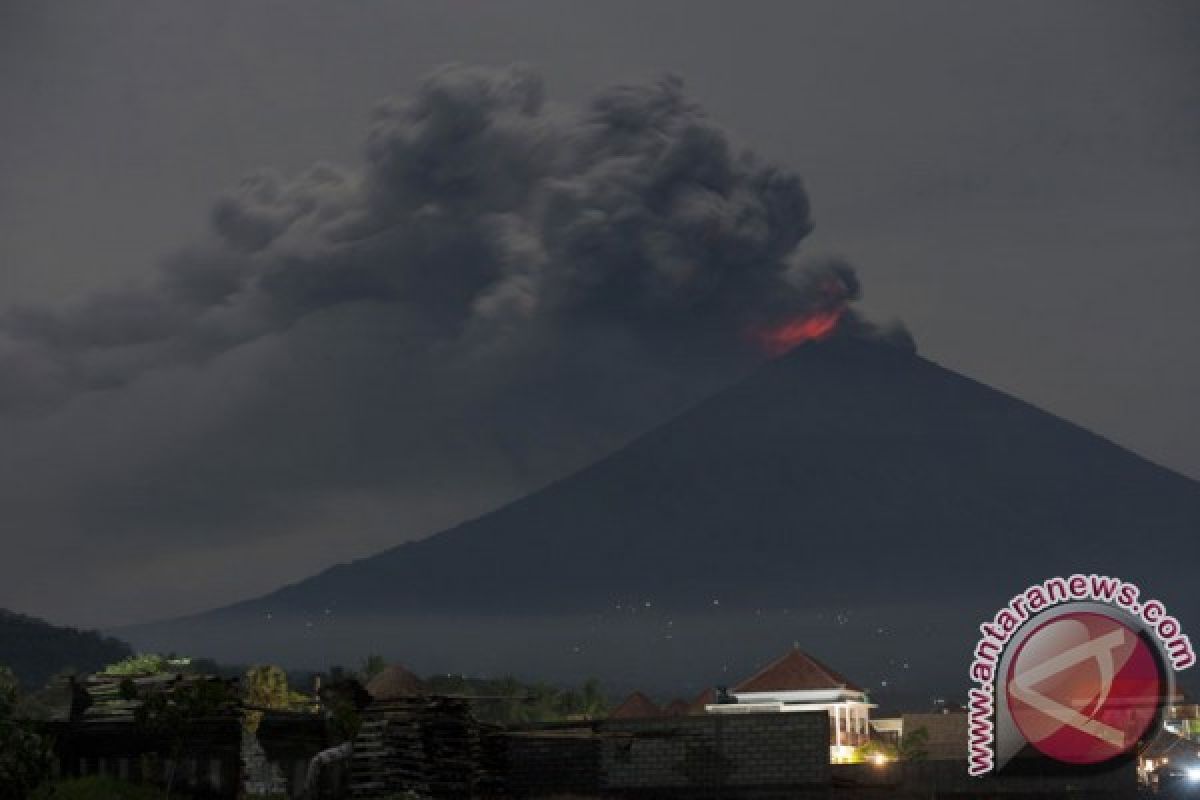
798	682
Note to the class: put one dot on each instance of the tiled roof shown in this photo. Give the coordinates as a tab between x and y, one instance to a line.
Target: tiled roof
1168	745
677	708
795	671
706	698
636	706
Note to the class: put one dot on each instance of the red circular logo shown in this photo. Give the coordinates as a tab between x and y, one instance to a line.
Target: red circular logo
1083	688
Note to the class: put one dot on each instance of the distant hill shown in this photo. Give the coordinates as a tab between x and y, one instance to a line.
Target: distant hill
36	650
846	475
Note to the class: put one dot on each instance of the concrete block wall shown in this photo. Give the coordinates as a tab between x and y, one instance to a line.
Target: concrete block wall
950	778
550	764
732	751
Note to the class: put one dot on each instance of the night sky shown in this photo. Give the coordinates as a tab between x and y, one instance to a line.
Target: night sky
252	322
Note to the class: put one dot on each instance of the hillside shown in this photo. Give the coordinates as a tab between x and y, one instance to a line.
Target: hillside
36	650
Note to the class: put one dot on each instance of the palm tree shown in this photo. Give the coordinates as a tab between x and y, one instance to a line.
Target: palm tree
593	703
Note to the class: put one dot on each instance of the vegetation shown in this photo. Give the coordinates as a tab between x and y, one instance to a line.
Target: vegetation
511	702
25	755
173	717
97	788
148	664
176	716
266	687
36	650
501	701
872	750
372	666
913	745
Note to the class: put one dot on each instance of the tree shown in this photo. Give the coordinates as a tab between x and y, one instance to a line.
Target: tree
543	703
266	686
594	703
25	755
36	650
174	716
372	665
343	700
913	745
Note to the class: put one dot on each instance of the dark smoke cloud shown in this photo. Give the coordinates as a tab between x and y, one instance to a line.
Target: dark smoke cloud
502	291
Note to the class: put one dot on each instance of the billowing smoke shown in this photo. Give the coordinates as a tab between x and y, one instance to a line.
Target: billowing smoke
503	290
480	216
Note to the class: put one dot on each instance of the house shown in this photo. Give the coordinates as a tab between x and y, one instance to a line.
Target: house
636	706
888	730
1182	716
395	682
798	682
677	708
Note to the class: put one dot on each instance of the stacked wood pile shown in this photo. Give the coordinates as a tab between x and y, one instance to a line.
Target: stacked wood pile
430	747
111	703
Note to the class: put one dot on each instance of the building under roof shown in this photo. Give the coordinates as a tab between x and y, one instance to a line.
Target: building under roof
636	706
794	671
677	708
395	683
798	682
702	701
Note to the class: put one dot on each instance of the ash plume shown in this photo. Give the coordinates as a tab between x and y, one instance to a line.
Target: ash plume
503	289
478	216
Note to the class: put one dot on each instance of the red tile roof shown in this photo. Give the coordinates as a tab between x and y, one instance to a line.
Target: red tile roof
795	671
677	708
706	698
636	706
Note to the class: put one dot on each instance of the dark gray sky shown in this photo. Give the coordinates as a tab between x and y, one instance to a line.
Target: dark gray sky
1018	182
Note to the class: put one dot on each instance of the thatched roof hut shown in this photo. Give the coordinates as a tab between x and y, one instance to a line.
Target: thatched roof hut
395	683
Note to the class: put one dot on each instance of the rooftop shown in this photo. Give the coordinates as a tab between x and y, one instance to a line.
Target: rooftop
395	683
636	706
795	671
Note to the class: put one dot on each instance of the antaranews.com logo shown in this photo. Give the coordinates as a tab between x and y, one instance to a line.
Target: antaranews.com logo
1077	668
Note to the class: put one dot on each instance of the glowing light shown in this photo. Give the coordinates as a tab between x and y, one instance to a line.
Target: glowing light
841	754
879	759
778	339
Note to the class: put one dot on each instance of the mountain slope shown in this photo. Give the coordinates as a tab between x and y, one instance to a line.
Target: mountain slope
36	650
831	475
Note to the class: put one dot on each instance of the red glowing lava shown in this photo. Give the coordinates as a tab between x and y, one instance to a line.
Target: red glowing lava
811	327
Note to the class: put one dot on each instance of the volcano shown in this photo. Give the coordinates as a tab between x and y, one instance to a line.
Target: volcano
846	474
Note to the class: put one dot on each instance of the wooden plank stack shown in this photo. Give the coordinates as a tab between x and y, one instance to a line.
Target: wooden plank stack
428	747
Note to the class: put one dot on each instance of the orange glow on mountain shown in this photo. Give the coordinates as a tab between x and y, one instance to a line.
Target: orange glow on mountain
814	326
